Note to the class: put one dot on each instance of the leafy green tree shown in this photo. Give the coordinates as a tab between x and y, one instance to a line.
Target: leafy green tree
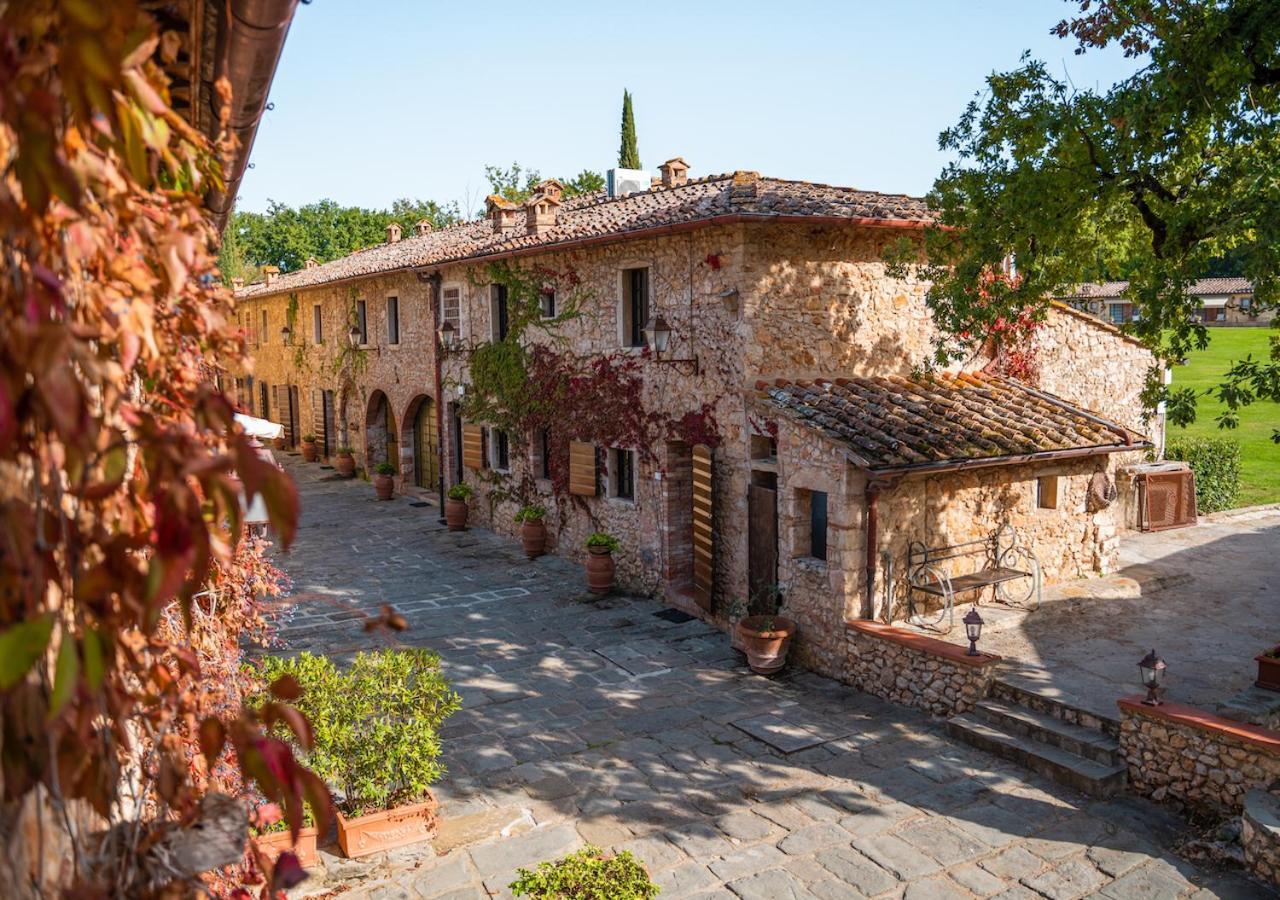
516	183
585	182
628	152
1160	176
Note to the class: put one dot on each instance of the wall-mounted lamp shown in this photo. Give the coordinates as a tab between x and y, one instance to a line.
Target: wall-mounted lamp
657	333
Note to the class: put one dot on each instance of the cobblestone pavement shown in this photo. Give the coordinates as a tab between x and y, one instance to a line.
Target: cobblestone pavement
601	722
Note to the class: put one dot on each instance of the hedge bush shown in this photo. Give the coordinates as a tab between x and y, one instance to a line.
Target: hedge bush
1216	463
589	874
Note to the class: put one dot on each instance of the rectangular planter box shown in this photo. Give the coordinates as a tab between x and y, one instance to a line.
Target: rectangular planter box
1268	672
388	829
274	843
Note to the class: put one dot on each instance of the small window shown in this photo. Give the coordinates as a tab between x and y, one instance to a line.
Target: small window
500	323
622	474
811	524
501	450
542	453
764	448
362	320
635	306
393	320
451	307
1047	492
317	324
548	303
265	334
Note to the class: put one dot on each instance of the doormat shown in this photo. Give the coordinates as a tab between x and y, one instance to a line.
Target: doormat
419	503
330	468
674	615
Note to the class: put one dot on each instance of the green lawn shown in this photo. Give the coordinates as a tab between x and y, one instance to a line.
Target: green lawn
1259	457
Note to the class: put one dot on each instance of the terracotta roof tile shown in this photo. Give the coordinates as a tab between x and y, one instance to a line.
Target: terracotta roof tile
596	216
1104	290
892	423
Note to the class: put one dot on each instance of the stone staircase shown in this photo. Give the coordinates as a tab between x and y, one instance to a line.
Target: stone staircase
1070	745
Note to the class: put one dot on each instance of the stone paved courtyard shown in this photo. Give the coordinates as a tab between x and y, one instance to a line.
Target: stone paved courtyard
601	722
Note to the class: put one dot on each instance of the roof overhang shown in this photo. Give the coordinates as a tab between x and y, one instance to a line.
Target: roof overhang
962	465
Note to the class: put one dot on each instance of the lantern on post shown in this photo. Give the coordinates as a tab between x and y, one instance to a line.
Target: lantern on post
972	630
1152	669
286	333
353	335
658	334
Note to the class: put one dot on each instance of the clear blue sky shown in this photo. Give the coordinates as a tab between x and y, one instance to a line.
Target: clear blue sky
379	100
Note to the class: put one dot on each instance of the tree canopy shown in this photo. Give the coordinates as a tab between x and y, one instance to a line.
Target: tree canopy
1170	174
516	183
629	151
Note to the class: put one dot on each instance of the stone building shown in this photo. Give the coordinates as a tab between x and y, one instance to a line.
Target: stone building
789	348
1222	301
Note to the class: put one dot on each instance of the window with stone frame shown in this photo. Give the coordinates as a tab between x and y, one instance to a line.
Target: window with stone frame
499	312
548	303
500	446
362	320
451	308
622	473
635	306
265	333
393	320
810	538
540	453
317	324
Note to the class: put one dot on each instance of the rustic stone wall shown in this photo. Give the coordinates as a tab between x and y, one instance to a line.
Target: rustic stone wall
1260	833
914	670
1180	753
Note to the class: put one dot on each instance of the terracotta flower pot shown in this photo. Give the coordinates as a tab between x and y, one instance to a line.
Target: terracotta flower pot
388	829
309	451
1268	671
345	465
766	650
533	537
455	513
599	570
385	486
274	843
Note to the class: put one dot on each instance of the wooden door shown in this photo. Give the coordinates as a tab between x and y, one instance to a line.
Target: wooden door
295	405
703	533
330	426
762	540
426	446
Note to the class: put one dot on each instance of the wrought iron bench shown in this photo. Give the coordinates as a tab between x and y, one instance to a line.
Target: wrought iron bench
1004	561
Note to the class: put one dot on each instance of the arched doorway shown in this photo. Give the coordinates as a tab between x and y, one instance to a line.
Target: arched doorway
381	445
421	440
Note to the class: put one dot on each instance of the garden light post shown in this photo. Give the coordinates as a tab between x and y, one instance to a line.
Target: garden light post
1152	669
972	630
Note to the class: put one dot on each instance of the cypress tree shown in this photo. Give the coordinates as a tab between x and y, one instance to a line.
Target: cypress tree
628	153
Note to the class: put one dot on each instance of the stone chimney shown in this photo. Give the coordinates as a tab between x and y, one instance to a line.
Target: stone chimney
270	274
501	212
540	213
237	283
674	172
421	227
550	188
744	186
311	262
393	233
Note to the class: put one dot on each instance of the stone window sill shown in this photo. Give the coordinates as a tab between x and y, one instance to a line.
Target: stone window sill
810	563
622	501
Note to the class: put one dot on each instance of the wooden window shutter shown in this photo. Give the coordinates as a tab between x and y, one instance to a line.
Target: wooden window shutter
582	468
473	447
703	533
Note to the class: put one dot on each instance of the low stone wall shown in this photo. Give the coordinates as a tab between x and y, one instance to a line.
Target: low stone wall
1181	753
935	676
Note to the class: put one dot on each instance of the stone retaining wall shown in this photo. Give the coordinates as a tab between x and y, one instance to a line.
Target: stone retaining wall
915	670
1181	753
1260	834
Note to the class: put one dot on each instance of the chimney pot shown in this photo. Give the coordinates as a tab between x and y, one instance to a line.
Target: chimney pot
311	262
744	187
270	274
237	283
540	213
422	227
550	188
675	172
393	233
501	212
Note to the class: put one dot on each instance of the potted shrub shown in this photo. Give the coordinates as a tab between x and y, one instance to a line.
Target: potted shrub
271	835
383	482
600	550
764	634
588	873
533	532
376	740
1269	669
455	506
345	463
309	447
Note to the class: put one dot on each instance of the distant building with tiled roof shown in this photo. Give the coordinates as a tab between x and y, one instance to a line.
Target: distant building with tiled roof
1223	301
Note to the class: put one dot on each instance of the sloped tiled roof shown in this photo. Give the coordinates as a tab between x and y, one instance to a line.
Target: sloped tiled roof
1201	287
894	423
597	216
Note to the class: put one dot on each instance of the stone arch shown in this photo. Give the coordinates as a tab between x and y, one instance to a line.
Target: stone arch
381	437
420	455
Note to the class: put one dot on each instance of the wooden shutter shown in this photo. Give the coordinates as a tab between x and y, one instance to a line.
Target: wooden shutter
473	447
703	537
582	468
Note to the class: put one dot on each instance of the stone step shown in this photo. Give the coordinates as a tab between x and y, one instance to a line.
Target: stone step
1084	775
1014	689
1087	742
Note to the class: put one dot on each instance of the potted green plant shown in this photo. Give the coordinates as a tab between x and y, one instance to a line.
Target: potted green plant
383	481
455	506
533	532
600	567
1269	669
345	463
309	447
376	740
588	873
271	835
763	633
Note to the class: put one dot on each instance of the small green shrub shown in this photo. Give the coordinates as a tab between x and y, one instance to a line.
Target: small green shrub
344	451
461	491
376	724
600	540
589	874
1216	464
385	469
534	512
308	438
